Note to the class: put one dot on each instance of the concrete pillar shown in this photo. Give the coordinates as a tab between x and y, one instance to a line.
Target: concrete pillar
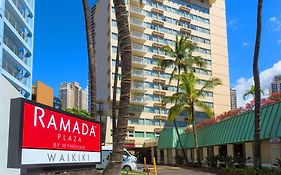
216	150
205	153
275	152
158	156
230	150
152	154
188	151
165	156
249	150
173	156
194	155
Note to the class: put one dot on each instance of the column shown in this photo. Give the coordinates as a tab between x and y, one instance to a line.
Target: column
188	152
230	150
249	150
194	154
158	156
216	150
152	154
275	152
165	156
173	156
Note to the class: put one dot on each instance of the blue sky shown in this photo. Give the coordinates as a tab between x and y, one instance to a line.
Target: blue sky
60	53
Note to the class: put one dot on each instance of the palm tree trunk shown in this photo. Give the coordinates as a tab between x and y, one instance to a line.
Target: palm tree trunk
175	124
199	163
124	39
114	102
257	142
91	59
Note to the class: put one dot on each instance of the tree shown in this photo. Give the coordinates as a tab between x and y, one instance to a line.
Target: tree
257	98
79	112
188	98
91	59
124	39
184	61
251	92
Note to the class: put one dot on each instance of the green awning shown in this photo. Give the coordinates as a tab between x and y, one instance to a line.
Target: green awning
234	130
168	138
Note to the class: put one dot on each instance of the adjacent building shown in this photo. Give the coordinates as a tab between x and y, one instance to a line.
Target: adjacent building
153	24
16	43
233	99
276	84
72	95
43	93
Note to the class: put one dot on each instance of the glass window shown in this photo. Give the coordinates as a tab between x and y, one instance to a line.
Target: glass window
150	135
139	134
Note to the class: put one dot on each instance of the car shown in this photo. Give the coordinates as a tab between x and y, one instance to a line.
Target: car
129	161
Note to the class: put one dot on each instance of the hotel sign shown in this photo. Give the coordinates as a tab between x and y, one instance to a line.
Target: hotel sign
43	136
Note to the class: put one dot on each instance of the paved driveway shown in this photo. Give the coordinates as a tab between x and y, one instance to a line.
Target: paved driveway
168	170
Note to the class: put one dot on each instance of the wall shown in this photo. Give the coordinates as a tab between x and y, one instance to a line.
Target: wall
45	94
6	94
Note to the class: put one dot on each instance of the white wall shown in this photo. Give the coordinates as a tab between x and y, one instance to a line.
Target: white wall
6	94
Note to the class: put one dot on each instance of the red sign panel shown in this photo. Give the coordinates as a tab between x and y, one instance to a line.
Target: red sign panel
47	129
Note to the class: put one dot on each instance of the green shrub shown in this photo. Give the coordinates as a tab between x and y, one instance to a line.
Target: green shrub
212	161
179	159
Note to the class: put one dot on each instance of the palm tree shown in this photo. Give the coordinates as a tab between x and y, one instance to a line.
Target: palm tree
91	59
257	142
188	98
114	100
184	61
114	166
79	112
251	92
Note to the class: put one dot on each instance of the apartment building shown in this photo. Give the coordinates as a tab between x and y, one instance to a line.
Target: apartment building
233	98
16	43
153	24
72	95
276	84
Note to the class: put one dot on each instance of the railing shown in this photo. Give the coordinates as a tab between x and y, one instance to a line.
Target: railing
14	72
138	60
137	99
22	10
17	26
137	10
138	85
138	35
138	73
137	22
138	47
16	50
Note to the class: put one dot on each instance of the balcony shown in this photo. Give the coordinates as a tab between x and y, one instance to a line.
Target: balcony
158	34
130	128
156	22
138	100
137	25
160	117
24	11
138	87
137	12
185	9
22	53
139	3
159	1
158	57
159	81
158	105
138	50
129	141
158	69
157	45
184	19
157	11
138	74
138	62
21	30
185	30
158	130
159	93
138	37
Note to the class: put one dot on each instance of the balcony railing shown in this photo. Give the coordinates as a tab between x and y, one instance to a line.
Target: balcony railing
16	73
138	85
138	99
138	60
137	73
138	47
137	22
137	10
20	52
22	31
138	35
23	10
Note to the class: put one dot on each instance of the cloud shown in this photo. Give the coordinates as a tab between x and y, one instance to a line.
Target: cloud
266	77
233	23
275	23
245	44
279	41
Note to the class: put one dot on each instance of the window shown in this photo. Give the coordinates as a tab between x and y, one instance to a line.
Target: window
149	134
131	134
139	134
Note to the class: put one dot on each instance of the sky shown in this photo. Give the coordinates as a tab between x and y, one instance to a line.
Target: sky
60	53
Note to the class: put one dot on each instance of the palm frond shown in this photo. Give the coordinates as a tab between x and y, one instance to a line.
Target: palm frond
175	111
209	111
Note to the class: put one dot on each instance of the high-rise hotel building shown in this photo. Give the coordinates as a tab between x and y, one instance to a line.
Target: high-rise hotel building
16	43
153	24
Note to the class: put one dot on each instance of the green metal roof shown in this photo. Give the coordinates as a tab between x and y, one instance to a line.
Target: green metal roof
234	130
168	138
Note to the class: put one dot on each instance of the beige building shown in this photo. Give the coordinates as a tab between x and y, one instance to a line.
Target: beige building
153	24
233	98
72	95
